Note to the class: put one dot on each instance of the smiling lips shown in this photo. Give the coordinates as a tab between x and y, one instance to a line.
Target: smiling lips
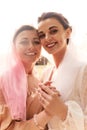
51	44
30	53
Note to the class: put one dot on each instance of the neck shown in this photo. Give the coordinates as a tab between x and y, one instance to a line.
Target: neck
58	57
29	68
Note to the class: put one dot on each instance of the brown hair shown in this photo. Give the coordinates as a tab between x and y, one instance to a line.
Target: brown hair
57	16
23	28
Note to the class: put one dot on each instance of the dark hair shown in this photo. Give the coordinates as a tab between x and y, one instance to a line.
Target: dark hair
57	16
23	28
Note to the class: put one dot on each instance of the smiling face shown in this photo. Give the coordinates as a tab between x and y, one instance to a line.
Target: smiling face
53	36
27	46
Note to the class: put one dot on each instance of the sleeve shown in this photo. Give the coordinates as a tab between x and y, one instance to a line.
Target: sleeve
5	118
83	96
77	112
73	121
75	117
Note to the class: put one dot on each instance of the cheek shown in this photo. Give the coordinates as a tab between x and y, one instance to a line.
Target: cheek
60	42
20	52
38	47
61	39
19	48
39	50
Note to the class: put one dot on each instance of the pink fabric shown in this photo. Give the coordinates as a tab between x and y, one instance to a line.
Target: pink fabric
13	83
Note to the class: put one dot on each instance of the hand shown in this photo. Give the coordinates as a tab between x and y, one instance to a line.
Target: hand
48	84
51	100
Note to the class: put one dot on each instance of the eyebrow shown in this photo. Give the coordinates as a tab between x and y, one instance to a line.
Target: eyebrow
52	27
49	29
25	38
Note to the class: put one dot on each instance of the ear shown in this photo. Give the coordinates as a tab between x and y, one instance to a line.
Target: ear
68	32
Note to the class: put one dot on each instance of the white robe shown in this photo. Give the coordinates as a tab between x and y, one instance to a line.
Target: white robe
70	78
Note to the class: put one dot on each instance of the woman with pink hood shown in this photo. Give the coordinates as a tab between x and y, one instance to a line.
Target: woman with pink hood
20	108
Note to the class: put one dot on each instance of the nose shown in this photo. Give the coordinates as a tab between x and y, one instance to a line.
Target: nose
30	44
47	37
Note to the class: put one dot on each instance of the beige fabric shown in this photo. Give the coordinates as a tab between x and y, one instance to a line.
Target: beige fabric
33	106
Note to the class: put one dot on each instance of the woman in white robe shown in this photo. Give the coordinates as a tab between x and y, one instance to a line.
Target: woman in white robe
67	104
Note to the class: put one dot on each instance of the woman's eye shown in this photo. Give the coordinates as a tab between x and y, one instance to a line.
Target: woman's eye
36	42
54	31
41	36
24	42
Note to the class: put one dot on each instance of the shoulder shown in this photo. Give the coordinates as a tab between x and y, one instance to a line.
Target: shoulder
83	68
82	77
84	73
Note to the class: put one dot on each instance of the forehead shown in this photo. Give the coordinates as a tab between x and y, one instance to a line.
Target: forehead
48	23
27	33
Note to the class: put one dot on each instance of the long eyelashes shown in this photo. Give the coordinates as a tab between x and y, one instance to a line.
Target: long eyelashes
54	31
36	42
26	42
51	32
41	36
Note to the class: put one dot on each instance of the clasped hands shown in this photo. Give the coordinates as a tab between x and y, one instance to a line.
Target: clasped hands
50	99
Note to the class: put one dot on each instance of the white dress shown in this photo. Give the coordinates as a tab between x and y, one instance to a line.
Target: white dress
70	78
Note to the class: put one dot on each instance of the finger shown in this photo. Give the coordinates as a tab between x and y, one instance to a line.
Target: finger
48	83
47	89
45	95
56	91
40	84
43	101
51	90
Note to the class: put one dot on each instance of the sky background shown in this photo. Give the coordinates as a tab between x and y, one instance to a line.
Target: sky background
14	13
